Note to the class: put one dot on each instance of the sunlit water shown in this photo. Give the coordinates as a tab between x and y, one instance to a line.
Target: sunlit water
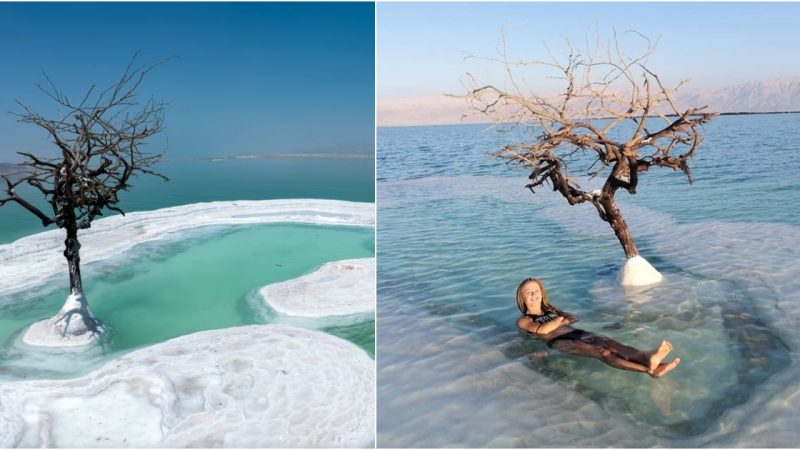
458	232
199	279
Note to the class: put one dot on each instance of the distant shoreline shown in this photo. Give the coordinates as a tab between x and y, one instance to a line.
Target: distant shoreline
276	156
8	169
743	113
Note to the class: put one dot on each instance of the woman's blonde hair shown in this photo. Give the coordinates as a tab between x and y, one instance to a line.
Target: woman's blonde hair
547	308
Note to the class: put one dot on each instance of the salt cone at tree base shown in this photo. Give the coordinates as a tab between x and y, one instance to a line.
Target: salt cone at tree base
638	272
68	328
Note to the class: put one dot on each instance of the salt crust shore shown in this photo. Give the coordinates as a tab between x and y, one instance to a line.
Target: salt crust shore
30	260
255	386
338	288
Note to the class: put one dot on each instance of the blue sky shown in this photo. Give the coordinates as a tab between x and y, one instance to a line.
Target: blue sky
250	79
713	44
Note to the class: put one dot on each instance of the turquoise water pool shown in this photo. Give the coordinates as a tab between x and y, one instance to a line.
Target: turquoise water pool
197	281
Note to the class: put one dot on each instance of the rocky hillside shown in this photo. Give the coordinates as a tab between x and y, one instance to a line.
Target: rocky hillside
758	96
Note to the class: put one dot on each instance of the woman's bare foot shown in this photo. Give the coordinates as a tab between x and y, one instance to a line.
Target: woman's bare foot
658	355
662	369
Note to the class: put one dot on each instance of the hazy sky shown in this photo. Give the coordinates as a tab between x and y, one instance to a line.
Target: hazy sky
713	44
251	78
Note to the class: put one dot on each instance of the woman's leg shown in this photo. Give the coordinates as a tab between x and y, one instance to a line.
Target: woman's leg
624	351
580	348
651	358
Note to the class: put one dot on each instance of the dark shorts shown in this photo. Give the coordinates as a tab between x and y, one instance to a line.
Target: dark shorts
574	335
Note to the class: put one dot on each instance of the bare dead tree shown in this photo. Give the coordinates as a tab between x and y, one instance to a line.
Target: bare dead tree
612	106
99	141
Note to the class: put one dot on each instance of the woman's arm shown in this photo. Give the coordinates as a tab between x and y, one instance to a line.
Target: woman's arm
525	323
569	318
548	327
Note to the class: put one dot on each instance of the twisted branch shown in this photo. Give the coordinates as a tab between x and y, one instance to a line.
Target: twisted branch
100	139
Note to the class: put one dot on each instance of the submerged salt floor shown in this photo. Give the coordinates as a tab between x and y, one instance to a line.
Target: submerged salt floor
446	312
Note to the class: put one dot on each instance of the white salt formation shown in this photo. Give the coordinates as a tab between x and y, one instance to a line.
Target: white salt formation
28	261
65	329
638	272
256	386
339	288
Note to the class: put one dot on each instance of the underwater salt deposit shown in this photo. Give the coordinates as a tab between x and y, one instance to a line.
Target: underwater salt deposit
457	237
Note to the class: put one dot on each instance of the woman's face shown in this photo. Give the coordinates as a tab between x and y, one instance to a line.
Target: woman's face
532	296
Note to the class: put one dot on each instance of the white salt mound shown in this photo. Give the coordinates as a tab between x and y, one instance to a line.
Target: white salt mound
256	386
338	288
63	329
638	272
43	334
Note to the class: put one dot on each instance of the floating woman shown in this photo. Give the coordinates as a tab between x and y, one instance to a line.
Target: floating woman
548	323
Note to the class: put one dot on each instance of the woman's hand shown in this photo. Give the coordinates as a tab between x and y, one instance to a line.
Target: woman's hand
550	326
569	318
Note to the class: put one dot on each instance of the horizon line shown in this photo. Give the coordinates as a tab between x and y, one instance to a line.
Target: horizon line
728	113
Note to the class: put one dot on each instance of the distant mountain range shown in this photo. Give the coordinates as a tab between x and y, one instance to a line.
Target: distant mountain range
758	96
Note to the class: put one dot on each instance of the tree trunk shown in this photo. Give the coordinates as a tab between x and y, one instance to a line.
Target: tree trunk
74	325
73	255
614	218
75	318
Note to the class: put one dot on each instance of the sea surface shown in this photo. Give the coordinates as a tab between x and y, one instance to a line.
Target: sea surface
458	232
346	178
200	279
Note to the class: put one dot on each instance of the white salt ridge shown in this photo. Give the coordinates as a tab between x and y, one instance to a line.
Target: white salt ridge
29	261
338	288
255	386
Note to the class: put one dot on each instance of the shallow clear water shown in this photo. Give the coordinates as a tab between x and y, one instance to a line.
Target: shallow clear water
458	232
198	281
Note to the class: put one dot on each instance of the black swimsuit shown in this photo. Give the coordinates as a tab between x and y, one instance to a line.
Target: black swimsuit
574	335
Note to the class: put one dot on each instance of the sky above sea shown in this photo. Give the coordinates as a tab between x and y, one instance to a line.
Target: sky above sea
422	46
249	78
